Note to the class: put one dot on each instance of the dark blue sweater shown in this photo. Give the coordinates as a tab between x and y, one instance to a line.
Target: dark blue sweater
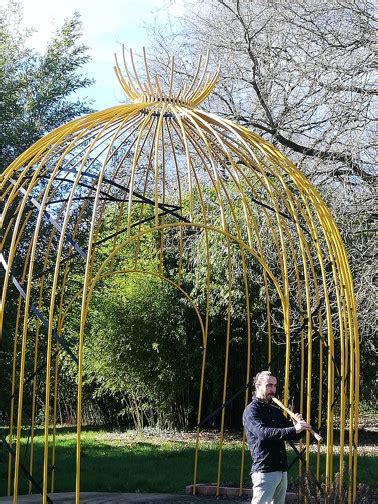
267	429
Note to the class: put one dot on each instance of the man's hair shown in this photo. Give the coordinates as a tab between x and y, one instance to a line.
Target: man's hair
260	376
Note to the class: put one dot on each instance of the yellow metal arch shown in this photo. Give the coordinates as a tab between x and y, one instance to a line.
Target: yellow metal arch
161	157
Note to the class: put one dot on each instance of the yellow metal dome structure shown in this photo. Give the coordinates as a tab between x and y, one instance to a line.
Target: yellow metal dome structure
167	168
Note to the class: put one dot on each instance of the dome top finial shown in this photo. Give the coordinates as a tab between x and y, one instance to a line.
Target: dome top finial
150	89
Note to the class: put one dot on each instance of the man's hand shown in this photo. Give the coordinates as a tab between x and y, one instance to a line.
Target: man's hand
301	425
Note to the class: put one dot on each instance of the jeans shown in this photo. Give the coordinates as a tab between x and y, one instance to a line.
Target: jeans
269	488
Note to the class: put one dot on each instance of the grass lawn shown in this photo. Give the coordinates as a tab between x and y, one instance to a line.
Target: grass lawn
121	462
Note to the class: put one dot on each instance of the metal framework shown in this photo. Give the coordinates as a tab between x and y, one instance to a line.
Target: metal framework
161	160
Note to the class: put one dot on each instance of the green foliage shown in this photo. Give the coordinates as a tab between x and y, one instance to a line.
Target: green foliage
36	89
144	342
137	348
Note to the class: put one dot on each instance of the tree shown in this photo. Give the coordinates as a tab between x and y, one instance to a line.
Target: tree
301	75
36	96
138	351
37	90
144	345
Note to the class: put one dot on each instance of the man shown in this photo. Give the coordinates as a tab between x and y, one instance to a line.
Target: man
267	429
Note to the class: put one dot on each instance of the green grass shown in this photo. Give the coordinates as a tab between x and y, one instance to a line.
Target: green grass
114	462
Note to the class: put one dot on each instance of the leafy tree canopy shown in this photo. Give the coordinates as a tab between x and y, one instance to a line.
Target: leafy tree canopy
37	91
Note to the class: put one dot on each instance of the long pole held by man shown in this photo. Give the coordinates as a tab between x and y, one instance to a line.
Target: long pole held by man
266	430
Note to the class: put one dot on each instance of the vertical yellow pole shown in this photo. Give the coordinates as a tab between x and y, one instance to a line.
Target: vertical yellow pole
85	298
53	455
320	395
228	330
13	390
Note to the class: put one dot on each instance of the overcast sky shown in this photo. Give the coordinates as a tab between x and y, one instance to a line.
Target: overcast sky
106	25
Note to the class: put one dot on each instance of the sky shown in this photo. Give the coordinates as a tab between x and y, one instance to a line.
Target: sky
107	24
